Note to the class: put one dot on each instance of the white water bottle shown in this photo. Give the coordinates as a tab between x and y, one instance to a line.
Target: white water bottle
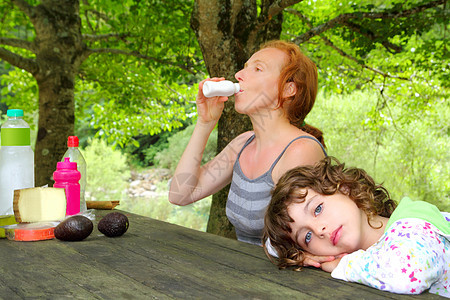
220	88
16	159
75	156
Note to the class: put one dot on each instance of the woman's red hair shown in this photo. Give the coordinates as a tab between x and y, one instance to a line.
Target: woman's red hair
300	70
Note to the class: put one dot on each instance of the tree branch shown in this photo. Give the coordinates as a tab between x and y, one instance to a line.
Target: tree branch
94	12
390	47
17	43
341	19
24	7
273	10
93	37
278	6
18	61
360	62
344	54
89	52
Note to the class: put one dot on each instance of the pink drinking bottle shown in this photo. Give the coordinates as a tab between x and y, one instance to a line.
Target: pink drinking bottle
67	176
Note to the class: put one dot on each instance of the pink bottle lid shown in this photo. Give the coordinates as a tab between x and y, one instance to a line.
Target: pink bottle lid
66	164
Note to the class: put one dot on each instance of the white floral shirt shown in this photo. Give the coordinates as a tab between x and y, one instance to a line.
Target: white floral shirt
411	257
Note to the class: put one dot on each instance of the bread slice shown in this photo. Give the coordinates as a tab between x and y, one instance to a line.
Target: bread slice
39	204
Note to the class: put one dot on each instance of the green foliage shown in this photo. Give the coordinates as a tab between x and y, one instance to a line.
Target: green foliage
20	91
161	145
142	95
107	171
409	153
132	106
169	157
120	96
386	53
142	156
139	79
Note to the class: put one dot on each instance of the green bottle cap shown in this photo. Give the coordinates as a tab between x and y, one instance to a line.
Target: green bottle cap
14	113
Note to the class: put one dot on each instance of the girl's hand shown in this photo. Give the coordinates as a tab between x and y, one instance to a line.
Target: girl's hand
316	261
209	109
329	266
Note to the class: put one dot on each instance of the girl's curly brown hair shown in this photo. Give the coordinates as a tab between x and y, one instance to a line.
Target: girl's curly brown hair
327	177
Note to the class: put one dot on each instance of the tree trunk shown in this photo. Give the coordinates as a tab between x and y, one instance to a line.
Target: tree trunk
58	46
228	33
56	123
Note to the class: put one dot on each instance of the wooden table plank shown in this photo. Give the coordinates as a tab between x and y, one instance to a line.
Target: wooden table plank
192	245
159	260
44	270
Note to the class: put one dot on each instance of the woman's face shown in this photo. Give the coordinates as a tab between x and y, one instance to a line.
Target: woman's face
328	225
259	81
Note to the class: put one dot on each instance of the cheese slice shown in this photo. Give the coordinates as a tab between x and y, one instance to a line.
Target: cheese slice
39	204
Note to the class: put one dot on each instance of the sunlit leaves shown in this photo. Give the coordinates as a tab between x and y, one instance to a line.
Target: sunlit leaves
19	90
139	101
135	96
363	54
120	96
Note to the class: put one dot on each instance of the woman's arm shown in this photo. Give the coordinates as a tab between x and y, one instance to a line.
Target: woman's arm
187	183
191	181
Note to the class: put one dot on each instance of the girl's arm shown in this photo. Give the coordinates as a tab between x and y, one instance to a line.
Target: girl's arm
409	259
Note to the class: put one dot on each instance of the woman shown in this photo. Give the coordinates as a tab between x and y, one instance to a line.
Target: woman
278	89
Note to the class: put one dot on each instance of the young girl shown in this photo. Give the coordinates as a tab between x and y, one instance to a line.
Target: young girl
328	209
278	89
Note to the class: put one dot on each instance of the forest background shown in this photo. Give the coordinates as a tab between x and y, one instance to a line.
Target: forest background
123	75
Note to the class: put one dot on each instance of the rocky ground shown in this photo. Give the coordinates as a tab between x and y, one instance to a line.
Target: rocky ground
147	183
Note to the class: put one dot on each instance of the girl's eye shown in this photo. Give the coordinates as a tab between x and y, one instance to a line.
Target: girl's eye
258	69
318	209
308	237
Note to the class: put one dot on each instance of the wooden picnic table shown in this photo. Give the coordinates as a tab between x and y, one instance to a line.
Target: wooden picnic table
155	259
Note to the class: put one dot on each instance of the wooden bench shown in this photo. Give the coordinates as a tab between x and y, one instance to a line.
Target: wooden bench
155	259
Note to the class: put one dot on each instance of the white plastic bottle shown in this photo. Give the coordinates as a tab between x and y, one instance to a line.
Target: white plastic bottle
75	156
16	159
220	88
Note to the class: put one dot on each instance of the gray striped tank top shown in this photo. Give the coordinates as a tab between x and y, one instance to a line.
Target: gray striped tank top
248	198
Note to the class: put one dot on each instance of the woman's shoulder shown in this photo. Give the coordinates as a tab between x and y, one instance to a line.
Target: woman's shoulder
237	143
303	149
242	138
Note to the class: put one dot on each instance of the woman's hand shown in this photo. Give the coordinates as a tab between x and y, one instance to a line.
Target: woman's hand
209	109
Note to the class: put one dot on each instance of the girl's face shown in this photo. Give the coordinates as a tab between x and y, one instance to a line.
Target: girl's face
259	81
328	225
